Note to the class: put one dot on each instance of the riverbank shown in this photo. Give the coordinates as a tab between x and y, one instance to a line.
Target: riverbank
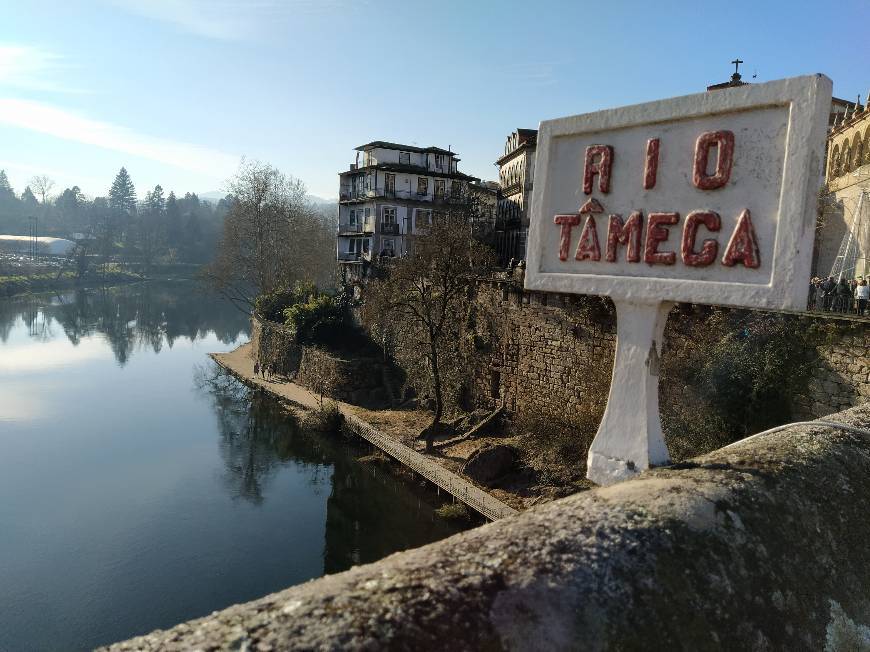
388	433
14	285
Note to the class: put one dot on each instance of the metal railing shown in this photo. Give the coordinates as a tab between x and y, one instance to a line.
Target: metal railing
360	227
480	501
350	256
348	194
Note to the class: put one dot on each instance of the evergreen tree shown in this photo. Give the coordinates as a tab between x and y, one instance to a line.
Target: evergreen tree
70	204
173	221
122	195
29	199
154	201
6	191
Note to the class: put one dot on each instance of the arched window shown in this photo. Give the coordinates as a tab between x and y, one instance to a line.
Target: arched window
866	160
858	153
835	163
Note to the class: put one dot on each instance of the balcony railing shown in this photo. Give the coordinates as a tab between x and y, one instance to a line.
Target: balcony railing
390	229
349	194
353	256
367	226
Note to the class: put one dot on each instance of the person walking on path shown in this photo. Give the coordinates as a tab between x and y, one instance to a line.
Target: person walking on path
256	368
828	287
862	294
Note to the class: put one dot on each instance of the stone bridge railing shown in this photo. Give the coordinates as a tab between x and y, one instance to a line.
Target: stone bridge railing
762	545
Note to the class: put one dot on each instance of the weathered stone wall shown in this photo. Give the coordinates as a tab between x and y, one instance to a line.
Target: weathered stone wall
274	344
541	355
358	381
840	378
760	546
549	355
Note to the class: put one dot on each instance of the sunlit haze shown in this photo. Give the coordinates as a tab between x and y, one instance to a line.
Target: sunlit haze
178	91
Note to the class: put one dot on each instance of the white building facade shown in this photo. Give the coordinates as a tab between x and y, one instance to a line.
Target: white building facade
388	195
516	174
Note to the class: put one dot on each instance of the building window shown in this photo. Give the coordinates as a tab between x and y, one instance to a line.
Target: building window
440	187
439	161
405	157
352	217
389	247
455	188
422	185
388	217
423	217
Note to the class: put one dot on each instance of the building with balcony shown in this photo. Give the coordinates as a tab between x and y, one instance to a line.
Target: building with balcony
516	172
390	193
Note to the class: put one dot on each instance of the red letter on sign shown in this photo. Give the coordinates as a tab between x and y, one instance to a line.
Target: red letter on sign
652	163
566	222
601	168
621	234
743	245
724	140
655	234
709	248
587	248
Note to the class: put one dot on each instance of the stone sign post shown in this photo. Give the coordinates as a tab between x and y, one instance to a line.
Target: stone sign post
708	198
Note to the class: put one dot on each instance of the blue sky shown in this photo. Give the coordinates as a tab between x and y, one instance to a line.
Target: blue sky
179	90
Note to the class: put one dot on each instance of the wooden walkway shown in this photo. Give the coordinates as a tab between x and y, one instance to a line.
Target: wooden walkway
239	364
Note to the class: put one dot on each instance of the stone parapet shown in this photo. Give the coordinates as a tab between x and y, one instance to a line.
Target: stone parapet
761	545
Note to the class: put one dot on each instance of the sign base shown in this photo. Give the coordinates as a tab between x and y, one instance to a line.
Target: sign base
629	438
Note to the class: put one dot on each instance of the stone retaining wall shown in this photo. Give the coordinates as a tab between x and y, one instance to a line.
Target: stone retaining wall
550	356
358	381
841	376
759	546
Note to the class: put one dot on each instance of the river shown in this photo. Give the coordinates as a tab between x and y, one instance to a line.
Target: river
139	488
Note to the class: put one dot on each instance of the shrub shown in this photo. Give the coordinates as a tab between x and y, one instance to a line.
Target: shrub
453	512
326	419
271	305
318	320
734	376
557	449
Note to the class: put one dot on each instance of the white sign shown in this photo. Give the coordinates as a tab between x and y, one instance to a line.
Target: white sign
708	198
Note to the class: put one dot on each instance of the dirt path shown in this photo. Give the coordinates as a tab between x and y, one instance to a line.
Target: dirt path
390	430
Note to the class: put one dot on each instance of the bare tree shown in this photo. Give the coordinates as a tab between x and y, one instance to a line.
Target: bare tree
273	237
425	296
42	184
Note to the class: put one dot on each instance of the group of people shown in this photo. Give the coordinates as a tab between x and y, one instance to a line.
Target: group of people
264	370
840	295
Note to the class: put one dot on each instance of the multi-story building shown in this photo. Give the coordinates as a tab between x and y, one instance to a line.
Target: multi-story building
390	193
516	172
844	216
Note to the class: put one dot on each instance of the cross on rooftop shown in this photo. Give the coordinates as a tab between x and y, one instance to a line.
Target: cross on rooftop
736	63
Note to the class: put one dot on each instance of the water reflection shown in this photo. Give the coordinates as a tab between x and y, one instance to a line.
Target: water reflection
134	495
369	512
151	315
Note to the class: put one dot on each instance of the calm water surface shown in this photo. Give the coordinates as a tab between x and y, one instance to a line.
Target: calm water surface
139	488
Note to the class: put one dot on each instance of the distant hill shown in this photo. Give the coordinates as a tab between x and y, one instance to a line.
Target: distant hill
217	195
